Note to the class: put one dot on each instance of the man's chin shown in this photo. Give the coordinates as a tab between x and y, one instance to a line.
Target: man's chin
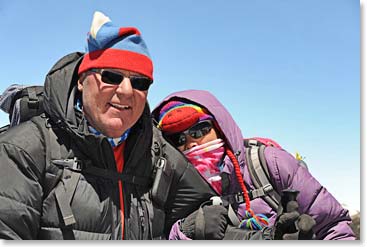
115	131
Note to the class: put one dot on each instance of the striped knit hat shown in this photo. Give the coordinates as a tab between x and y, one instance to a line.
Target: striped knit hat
110	46
176	116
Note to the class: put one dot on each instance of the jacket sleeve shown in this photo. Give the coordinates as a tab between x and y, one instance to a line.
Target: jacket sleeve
332	220
20	193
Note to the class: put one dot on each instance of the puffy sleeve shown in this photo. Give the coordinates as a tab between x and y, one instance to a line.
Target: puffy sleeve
20	192
332	219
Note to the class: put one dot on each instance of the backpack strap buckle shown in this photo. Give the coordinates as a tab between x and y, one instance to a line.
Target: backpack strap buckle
33	101
239	197
261	191
74	164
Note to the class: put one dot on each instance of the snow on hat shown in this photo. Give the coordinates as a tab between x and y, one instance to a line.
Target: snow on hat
110	46
178	116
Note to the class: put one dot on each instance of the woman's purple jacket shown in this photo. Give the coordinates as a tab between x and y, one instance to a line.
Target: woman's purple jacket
332	219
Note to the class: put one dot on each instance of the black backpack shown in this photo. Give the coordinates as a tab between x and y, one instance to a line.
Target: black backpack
21	103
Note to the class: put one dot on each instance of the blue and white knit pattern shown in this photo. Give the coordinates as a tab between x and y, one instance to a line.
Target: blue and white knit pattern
104	34
113	141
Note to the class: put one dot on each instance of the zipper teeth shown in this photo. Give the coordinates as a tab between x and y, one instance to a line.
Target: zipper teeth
141	219
113	226
122	188
122	201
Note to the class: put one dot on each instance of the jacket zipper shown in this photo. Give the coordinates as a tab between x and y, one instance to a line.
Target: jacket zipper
119	160
141	218
121	188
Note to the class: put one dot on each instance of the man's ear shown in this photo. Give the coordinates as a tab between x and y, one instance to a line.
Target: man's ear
80	85
81	79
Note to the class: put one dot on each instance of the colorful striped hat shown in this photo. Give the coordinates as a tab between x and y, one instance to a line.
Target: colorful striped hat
177	116
110	46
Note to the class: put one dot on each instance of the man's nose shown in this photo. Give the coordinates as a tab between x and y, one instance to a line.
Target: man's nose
125	87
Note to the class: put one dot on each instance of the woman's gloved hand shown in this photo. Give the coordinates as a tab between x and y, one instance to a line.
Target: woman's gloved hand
291	225
208	222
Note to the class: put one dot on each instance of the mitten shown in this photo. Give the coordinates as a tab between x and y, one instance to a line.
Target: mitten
208	222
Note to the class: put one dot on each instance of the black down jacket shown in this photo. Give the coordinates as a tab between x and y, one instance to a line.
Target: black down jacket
28	176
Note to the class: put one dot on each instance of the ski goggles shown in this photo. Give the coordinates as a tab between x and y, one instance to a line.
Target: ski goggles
197	131
115	78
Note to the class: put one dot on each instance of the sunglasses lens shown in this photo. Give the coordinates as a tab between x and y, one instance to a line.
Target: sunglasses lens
110	77
201	129
113	78
197	131
140	83
178	139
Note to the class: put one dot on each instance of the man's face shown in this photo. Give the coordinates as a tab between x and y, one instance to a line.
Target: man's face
111	109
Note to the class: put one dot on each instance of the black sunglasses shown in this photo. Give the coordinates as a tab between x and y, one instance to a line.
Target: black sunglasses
115	78
197	131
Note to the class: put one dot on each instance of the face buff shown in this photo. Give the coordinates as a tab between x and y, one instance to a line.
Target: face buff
207	160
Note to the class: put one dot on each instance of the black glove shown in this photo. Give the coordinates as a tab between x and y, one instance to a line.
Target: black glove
304	223
208	222
291	226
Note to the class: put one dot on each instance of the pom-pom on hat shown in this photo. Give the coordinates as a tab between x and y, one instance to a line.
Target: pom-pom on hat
177	116
110	46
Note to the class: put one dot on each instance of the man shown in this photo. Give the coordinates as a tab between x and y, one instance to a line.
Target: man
83	169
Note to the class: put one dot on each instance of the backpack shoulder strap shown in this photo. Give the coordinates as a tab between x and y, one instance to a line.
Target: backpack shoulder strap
162	179
259	173
162	170
66	187
64	182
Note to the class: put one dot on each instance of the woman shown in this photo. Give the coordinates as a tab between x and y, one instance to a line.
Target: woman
198	125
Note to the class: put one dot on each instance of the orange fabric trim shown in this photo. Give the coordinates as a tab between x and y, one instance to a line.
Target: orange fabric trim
122	209
119	158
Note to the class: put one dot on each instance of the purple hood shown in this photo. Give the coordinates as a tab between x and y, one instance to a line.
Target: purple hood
224	119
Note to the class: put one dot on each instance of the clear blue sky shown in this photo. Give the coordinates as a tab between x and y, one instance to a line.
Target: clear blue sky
285	69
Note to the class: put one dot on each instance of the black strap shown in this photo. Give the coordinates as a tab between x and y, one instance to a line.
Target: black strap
234	199
85	168
115	176
162	173
65	188
64	193
226	182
